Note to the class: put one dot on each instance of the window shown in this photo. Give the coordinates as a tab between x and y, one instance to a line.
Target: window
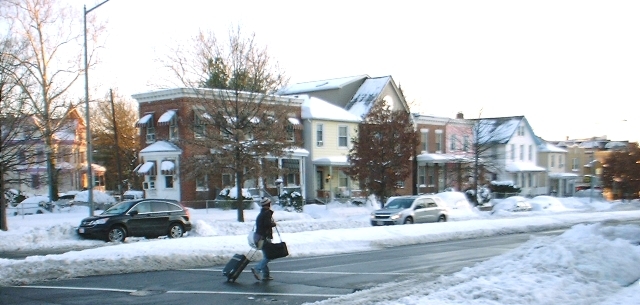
291	135
454	139
198	126
342	136
292	179
421	175
173	128
168	182
202	183
494	153
521	130
319	138
424	139
560	162
553	161
400	184
226	180
343	180
574	165
438	141
513	151
430	178
35	181
466	143
151	133
521	152
530	156
530	180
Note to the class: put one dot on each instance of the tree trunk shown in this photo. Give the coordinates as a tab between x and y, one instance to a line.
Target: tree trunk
3	207
239	203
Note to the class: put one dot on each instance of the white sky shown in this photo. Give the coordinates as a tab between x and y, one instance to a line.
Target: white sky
569	66
589	264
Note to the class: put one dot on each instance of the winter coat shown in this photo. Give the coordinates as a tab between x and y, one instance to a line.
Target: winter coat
265	224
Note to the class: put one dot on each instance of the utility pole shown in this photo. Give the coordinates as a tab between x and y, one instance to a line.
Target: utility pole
115	138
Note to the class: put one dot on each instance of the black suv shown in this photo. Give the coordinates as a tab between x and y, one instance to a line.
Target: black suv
148	218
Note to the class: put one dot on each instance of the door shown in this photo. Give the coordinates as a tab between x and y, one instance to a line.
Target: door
432	210
420	212
159	218
138	225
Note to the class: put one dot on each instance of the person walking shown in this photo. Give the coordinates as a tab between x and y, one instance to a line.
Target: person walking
264	227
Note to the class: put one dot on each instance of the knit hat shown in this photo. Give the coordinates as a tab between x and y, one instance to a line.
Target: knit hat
265	201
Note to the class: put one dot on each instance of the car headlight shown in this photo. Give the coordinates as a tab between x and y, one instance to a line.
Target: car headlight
373	215
395	216
100	221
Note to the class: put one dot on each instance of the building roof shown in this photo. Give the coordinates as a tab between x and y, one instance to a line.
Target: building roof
367	94
320	85
497	130
315	108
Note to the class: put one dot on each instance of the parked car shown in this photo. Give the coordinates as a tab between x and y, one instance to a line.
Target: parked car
410	209
512	204
148	218
29	206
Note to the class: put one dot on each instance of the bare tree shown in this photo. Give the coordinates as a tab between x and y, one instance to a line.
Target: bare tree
18	129
116	140
383	149
51	63
238	123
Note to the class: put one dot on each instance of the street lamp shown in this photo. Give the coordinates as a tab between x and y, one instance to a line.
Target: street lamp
86	100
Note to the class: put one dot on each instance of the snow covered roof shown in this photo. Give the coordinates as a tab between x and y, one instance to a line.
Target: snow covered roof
167	167
563	175
548	147
497	130
367	94
333	160
161	146
315	108
320	85
515	167
436	158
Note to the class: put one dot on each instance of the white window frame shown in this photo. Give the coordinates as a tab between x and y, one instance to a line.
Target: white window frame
574	165
453	140
521	152
439	141
553	161
513	152
319	135
424	138
530	152
342	137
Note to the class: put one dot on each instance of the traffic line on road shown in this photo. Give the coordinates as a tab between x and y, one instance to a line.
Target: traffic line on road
315	272
319	295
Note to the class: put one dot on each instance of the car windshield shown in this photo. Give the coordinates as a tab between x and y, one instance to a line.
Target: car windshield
399	203
119	208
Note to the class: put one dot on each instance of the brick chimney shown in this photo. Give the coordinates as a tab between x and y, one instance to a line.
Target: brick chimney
460	115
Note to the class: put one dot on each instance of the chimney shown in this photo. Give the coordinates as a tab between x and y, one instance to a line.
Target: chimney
460	115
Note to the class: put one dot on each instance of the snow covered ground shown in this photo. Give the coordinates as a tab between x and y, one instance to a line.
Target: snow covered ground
593	263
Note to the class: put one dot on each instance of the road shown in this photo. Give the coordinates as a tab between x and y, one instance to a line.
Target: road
297	280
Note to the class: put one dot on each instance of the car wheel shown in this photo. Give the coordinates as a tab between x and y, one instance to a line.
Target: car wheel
442	218
39	212
116	234
175	231
408	220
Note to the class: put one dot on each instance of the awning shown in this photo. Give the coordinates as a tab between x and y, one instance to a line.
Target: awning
296	123
334	160
436	158
146	168
166	117
167	167
144	120
515	167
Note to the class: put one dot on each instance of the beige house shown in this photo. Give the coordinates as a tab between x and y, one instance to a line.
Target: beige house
558	181
355	95
328	130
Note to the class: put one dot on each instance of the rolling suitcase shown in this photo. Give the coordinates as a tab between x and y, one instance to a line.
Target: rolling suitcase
236	265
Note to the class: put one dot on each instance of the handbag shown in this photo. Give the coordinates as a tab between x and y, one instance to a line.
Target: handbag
275	250
255	240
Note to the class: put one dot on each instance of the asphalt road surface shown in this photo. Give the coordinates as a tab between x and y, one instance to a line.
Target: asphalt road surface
297	280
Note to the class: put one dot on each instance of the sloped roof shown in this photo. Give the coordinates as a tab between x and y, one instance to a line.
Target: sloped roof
315	108
367	94
161	146
548	147
497	130
320	85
